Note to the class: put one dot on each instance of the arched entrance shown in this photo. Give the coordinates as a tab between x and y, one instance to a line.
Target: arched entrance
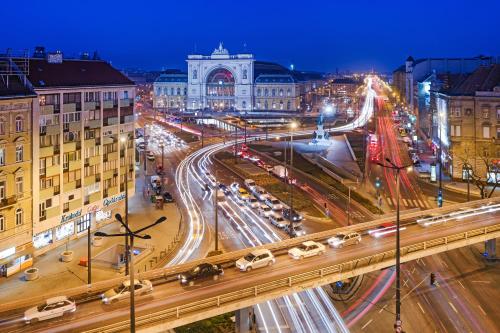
220	89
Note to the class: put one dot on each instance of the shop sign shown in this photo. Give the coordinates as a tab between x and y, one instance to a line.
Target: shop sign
100	215
107	202
93	209
70	216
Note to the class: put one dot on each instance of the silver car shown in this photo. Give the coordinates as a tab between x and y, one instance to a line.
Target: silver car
340	240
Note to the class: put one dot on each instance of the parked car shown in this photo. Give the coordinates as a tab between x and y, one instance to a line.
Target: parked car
278	220
167	197
307	249
224	189
260	193
255	259
234	187
341	240
291	214
252	202
52	308
295	231
150	156
243	194
250	184
201	273
274	203
279	171
265	211
122	291
155	181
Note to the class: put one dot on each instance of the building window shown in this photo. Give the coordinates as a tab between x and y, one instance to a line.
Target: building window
19	185
125	94
19	124
2	190
244	104
468	112
498	112
19	153
288	105
259	92
245	74
178	91
266	92
273	92
455	130
185	91
281	92
2	126
2	156
195	74
83	223
19	217
486	113
2	223
288	92
281	105
457	112
486	132
274	105
266	105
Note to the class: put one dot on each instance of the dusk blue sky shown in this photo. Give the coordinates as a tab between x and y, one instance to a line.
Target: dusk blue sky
313	35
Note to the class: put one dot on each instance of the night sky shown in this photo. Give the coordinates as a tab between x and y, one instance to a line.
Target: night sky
314	35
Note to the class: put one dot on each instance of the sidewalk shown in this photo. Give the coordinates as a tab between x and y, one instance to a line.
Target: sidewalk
56	275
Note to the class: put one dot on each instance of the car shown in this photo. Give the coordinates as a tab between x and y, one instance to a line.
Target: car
384	229
141	287
268	167
340	240
52	308
260	193
260	163
291	214
295	231
252	202
234	187
224	189
254	158
150	156
250	184
278	220
141	145
167	197
243	194
274	203
255	259
155	181
201	273
307	249
265	211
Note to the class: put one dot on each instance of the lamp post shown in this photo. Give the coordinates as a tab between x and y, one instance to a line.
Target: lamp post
349	206
132	235
393	166
293	125
216	204
124	141
89	255
440	159
235	143
162	146
245	120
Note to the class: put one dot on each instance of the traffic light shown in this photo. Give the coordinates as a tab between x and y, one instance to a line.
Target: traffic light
440	198
378	183
433	279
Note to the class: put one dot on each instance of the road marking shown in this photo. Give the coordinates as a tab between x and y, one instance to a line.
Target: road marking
405	282
368	323
480	308
413	270
444	263
461	284
453	307
383	308
423	262
421	308
481	281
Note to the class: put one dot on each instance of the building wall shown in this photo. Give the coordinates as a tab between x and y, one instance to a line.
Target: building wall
279	97
171	95
15	184
79	158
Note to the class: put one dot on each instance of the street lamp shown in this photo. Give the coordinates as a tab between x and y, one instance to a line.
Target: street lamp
124	141
216	204
132	235
293	125
162	146
349	205
393	166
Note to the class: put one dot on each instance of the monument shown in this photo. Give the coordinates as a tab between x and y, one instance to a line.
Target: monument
320	137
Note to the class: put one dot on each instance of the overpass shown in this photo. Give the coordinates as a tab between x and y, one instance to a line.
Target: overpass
171	305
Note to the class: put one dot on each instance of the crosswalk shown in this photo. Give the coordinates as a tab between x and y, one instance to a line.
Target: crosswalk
409	203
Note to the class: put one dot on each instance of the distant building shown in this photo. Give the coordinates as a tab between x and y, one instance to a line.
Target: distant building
18	102
416	78
222	81
466	120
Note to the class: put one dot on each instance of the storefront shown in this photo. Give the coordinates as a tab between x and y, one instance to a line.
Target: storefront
13	260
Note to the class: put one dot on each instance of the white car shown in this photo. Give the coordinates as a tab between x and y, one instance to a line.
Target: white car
254	158
274	203
340	240
255	259
52	308
235	187
260	193
278	220
250	184
123	291
265	211
155	181
296	230
150	156
252	202
307	249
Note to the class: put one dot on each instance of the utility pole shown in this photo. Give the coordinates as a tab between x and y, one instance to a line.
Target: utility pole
236	144
89	257
216	206
293	125
124	141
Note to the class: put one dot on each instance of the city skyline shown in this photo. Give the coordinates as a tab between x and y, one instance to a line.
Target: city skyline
324	38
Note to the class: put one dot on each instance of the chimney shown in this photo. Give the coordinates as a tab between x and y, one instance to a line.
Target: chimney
85	56
39	52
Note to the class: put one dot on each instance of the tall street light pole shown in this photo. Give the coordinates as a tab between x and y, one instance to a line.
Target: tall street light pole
89	256
124	141
162	146
440	159
216	206
132	235
397	325
293	125
245	120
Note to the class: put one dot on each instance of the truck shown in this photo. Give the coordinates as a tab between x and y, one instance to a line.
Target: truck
280	171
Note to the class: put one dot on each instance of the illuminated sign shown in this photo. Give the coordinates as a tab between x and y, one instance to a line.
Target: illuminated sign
70	216
8	252
433	173
106	202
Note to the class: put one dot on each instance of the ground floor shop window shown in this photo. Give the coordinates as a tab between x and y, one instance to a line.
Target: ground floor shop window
65	230
42	239
83	223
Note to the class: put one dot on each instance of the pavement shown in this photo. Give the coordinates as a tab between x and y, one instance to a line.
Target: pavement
56	275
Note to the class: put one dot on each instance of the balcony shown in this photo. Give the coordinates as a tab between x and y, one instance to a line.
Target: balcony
127	119
108	104
89	180
89	106
8	201
94	123
52	170
75	204
107	140
111	156
70	186
75	126
69	146
110	121
46	109
46	151
46	193
124	102
53	129
93	160
71	107
89	142
74	165
108	174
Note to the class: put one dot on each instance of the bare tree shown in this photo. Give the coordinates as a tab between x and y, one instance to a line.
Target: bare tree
488	184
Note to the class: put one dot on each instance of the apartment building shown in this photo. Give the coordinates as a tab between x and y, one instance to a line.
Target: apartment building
17	103
83	146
